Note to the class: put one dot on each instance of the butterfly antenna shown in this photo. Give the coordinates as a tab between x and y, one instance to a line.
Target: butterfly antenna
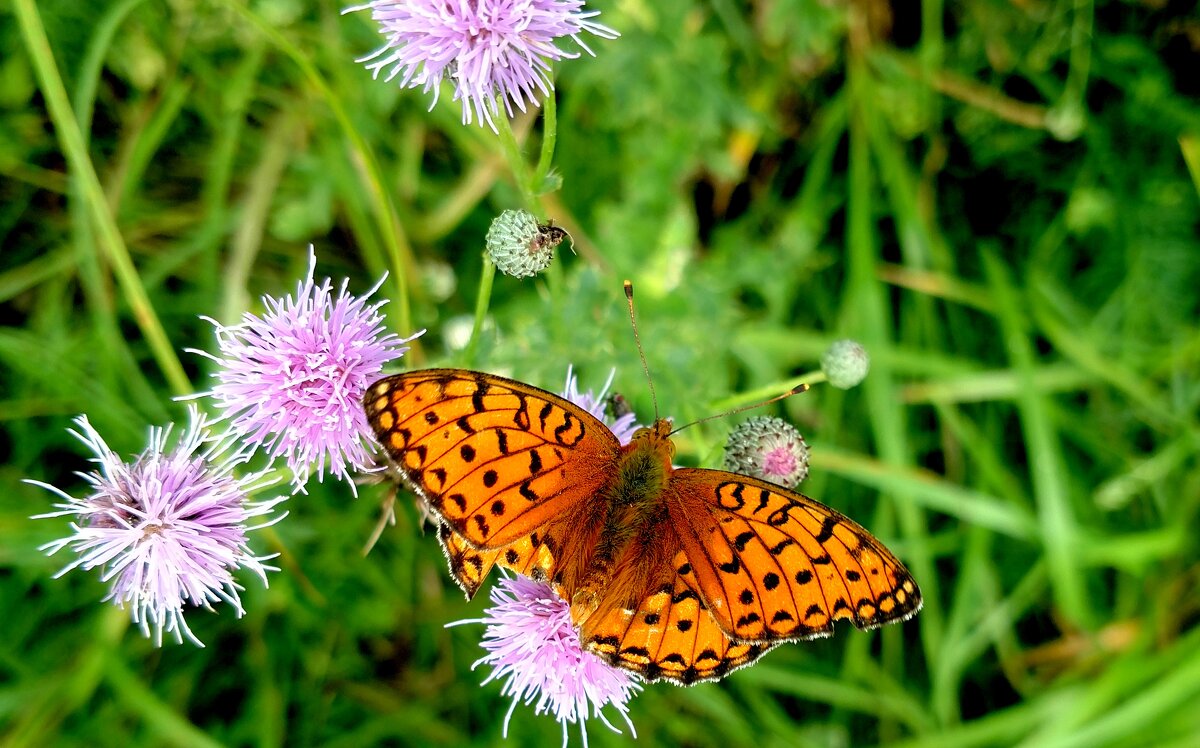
638	341
793	391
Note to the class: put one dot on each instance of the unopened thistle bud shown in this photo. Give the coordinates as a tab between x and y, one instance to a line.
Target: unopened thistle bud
768	448
845	364
520	246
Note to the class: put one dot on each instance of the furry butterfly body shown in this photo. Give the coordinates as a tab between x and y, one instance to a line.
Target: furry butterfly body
674	573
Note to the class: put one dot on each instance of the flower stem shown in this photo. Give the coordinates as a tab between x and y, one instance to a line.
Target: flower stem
516	162
549	141
481	307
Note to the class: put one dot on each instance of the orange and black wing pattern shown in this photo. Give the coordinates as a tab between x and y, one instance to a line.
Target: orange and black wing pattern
493	458
670	636
773	565
531	556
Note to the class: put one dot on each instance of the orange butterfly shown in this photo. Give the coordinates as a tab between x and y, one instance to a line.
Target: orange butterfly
680	574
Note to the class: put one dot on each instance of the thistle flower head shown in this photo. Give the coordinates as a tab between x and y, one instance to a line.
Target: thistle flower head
291	381
622	424
768	448
520	246
845	364
533	646
168	528
491	49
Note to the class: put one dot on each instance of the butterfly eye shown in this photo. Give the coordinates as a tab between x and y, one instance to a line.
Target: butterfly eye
640	433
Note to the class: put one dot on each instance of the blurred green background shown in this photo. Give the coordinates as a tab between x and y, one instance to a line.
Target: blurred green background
999	198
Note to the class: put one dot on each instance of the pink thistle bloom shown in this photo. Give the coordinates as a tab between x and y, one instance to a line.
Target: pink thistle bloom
622	425
768	448
491	49
292	380
168	528
532	643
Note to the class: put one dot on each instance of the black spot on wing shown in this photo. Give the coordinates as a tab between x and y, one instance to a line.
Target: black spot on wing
563	428
481	522
746	620
440	475
521	416
826	529
530	495
683	595
776	549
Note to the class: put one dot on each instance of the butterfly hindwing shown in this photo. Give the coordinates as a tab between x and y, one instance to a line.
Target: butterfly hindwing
493	458
530	556
772	564
670	636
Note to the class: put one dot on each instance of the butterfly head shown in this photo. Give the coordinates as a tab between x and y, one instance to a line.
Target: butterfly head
657	437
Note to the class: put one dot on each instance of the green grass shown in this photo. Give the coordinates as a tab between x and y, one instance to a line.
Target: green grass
999	200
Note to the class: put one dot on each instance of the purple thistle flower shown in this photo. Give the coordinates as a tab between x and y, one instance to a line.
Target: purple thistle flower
168	528
623	425
292	380
490	48
532	643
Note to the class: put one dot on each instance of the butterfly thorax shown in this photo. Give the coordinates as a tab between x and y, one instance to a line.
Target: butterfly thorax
643	468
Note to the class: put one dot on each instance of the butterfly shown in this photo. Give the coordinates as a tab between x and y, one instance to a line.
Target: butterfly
682	574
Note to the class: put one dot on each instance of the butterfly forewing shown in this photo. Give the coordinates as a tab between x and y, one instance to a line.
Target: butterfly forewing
493	458
772	564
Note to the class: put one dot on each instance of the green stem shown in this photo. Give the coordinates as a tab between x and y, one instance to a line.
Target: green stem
71	140
481	307
516	162
1083	17
767	391
549	141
